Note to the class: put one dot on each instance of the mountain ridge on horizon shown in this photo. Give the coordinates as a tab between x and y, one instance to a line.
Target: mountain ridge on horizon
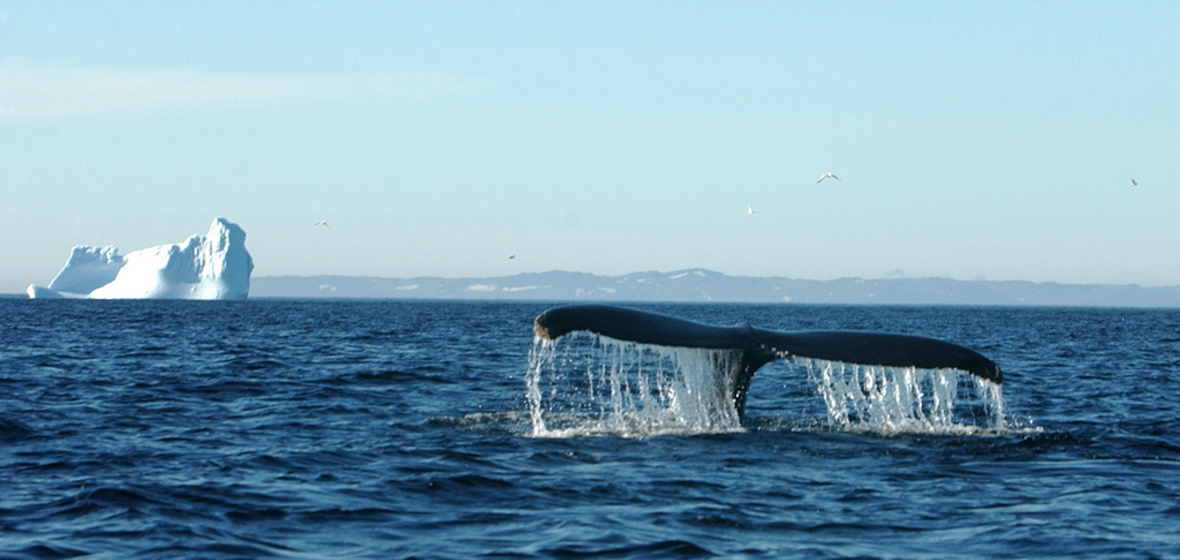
703	285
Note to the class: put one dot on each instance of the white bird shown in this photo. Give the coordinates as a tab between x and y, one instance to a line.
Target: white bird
750	210
1133	183
827	175
323	223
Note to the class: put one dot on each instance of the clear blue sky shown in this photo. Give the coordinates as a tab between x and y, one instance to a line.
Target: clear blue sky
972	139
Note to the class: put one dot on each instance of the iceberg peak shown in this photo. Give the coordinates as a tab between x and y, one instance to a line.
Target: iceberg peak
211	266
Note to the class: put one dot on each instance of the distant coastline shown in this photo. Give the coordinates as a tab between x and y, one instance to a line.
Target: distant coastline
701	285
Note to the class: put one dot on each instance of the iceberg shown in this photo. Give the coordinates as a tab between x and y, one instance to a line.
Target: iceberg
213	266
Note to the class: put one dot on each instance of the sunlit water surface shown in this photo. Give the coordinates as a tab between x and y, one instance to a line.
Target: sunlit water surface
384	429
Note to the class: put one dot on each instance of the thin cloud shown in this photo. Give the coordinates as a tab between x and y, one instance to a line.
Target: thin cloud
48	92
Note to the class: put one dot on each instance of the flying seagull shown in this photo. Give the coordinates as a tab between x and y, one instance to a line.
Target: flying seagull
750	210
1133	183
323	223
510	257
827	175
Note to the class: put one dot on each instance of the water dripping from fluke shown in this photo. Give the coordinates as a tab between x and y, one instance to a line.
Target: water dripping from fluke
893	400
591	385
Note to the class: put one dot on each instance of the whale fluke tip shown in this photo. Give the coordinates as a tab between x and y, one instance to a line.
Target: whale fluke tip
541	329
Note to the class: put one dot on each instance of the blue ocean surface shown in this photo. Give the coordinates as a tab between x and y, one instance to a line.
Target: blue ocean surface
427	429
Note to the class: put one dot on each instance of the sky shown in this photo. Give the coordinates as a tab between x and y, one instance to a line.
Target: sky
972	140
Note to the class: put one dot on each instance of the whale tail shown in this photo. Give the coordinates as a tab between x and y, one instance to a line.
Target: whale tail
761	346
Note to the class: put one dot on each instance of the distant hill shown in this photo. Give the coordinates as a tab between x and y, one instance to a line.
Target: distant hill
699	285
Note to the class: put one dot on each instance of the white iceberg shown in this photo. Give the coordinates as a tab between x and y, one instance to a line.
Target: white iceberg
213	266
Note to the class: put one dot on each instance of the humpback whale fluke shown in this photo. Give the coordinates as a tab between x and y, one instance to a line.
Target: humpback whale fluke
761	346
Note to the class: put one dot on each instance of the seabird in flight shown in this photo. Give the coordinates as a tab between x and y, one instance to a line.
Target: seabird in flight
827	175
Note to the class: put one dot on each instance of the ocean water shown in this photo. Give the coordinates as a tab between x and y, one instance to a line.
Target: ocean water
390	429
